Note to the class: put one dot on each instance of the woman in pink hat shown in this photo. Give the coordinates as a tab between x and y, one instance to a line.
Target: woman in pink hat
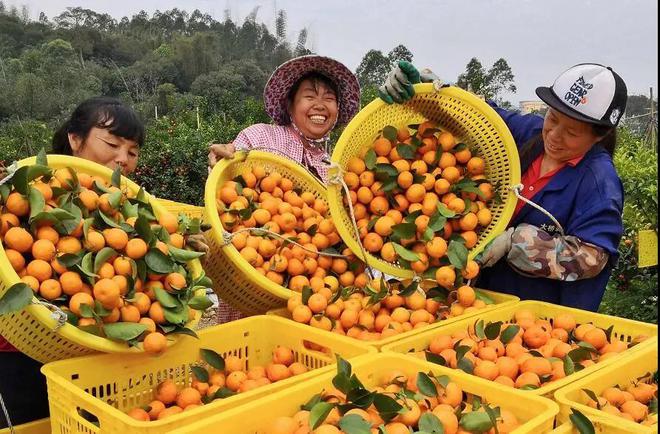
306	98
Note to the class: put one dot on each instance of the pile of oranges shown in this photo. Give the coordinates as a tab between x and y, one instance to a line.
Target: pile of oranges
419	200
380	310
414	403
228	378
100	254
256	200
527	353
638	402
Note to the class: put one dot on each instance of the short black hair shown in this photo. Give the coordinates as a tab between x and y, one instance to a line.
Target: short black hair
316	78
100	112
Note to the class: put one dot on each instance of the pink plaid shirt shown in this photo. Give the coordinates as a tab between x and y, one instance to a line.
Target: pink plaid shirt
282	140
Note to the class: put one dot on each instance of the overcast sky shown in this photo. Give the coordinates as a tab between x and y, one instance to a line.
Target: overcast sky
539	39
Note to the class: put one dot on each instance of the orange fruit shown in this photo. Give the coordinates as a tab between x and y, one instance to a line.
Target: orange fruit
18	239
115	238
50	289
596	337
527	379
16	260
136	248
476	166
39	269
445	276
155	343
466	296
107	292
71	283
17	204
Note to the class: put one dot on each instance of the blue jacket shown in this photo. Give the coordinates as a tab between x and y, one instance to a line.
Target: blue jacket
587	200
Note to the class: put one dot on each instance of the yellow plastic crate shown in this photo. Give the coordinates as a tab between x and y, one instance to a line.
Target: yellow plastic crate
177	208
108	385
234	279
32	330
41	426
622	372
501	300
624	329
468	118
536	413
601	426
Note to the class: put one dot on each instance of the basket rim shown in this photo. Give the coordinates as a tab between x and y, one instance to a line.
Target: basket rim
218	230
334	193
41	313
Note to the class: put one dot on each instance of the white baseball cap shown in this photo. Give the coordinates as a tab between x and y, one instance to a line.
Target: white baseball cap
588	92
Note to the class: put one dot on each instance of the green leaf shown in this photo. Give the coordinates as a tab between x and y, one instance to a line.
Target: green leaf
426	385
212	358
593	396
430	423
312	402
182	255
405	151
129	210
37	202
165	298
493	330
581	422
444	211
223	393
493	414
579	354
87	265
404	231
114	200
509	333
461	351
476	421
479	329
435	358
370	159
457	254
69	260
42	158
319	413
437	222
306	293
405	253
200	373
86	311
5	189
17	297
123	331
115	180
354	424
465	365
387	407
200	302
389	132
158	262
443	380
385	171
483	297
103	256
176	316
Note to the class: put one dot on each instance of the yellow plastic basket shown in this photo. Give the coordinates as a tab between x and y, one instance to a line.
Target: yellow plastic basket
177	208
623	372
468	118
536	414
32	330
234	279
124	383
601	426
41	426
624	329
501	300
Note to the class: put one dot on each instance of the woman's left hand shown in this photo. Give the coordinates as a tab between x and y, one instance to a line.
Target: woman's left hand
496	249
198	243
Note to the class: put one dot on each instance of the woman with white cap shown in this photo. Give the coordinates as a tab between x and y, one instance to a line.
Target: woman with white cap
564	255
306	97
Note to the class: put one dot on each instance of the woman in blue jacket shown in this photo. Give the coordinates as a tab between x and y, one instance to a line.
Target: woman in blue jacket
565	256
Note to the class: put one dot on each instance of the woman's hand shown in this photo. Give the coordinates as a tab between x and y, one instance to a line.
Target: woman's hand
398	86
496	249
220	151
198	243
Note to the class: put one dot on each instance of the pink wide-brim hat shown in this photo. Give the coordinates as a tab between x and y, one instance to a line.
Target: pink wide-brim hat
280	82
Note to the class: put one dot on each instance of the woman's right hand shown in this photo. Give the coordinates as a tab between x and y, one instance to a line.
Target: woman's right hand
220	151
398	86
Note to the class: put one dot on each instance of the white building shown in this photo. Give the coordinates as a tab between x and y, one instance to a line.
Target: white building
527	107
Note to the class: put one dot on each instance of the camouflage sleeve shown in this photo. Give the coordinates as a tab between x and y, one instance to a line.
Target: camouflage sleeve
536	253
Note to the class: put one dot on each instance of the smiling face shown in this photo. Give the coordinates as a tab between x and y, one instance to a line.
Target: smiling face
565	138
314	108
107	149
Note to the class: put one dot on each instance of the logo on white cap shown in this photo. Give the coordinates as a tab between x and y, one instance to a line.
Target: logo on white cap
587	89
614	116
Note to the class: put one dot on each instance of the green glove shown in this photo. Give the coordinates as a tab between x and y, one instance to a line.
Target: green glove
398	86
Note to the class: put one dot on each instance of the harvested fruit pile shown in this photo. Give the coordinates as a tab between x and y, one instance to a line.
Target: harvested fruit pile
280	231
227	378
421	402
420	199
100	254
380	310
527	353
637	401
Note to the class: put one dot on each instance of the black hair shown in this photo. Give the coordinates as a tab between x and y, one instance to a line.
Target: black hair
608	135
316	78
101	112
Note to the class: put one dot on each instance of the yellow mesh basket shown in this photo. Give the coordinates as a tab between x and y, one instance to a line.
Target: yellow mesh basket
468	118
78	385
622	372
41	426
624	329
177	208
500	300
601	426
33	331
234	279
535	414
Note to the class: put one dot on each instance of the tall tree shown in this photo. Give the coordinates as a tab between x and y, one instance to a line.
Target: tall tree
400	52
489	83
373	69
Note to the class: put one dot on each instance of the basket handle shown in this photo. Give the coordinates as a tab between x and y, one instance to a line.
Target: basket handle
314	348
80	420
